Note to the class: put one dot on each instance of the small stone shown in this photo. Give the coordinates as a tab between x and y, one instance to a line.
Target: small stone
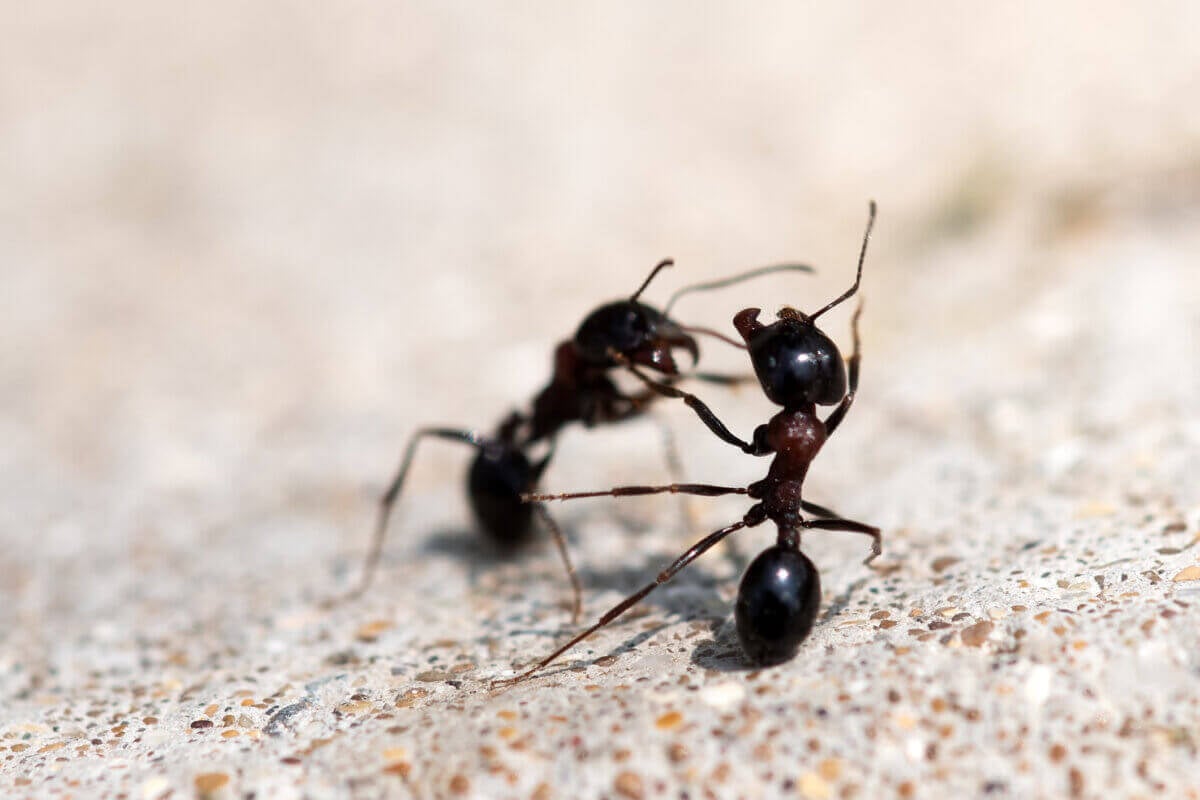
629	784
813	786
211	782
723	695
1191	573
202	723
672	719
977	634
370	632
356	707
830	768
155	787
411	696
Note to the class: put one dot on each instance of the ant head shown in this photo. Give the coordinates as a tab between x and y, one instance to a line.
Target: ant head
643	335
796	363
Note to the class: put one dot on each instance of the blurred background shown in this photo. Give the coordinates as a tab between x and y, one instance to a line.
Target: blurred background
246	249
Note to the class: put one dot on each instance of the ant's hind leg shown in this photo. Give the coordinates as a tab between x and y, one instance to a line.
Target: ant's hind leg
752	518
388	500
560	542
849	525
819	511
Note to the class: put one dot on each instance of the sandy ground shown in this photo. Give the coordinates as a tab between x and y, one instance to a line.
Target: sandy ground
247	250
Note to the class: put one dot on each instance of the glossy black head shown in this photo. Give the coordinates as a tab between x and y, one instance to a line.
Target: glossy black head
777	604
642	334
497	478
796	363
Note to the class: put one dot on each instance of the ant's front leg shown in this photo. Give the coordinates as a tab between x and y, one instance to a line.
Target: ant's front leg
719	379
695	403
839	413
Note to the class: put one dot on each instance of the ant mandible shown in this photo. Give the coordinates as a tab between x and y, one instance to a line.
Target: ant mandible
799	368
622	334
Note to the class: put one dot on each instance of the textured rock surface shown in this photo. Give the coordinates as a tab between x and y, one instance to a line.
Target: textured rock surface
247	250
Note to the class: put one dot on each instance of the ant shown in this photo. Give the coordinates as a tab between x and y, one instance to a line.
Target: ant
622	334
799	368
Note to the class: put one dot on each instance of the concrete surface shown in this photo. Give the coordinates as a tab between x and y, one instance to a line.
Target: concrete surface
247	250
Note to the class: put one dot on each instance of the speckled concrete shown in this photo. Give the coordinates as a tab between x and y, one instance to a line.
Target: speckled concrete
247	250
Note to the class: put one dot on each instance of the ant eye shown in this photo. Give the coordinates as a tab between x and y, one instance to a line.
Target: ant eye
620	326
797	364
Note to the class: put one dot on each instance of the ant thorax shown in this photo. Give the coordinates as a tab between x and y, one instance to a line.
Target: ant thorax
795	436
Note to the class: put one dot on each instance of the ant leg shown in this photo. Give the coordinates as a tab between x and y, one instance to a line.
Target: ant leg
718	379
703	489
819	511
704	412
560	541
839	413
389	498
752	518
849	525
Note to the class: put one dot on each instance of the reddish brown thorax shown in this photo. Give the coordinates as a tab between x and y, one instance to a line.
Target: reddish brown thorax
796	436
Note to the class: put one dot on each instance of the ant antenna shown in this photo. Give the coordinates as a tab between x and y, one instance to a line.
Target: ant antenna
861	256
697	329
659	267
744	276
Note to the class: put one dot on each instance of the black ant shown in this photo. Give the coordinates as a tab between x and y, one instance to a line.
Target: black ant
799	368
623	334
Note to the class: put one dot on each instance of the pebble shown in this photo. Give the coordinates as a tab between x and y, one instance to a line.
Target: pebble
209	783
672	719
723	695
975	635
629	784
813	786
371	631
1191	573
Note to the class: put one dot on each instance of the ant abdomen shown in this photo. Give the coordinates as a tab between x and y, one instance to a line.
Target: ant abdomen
495	482
777	604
